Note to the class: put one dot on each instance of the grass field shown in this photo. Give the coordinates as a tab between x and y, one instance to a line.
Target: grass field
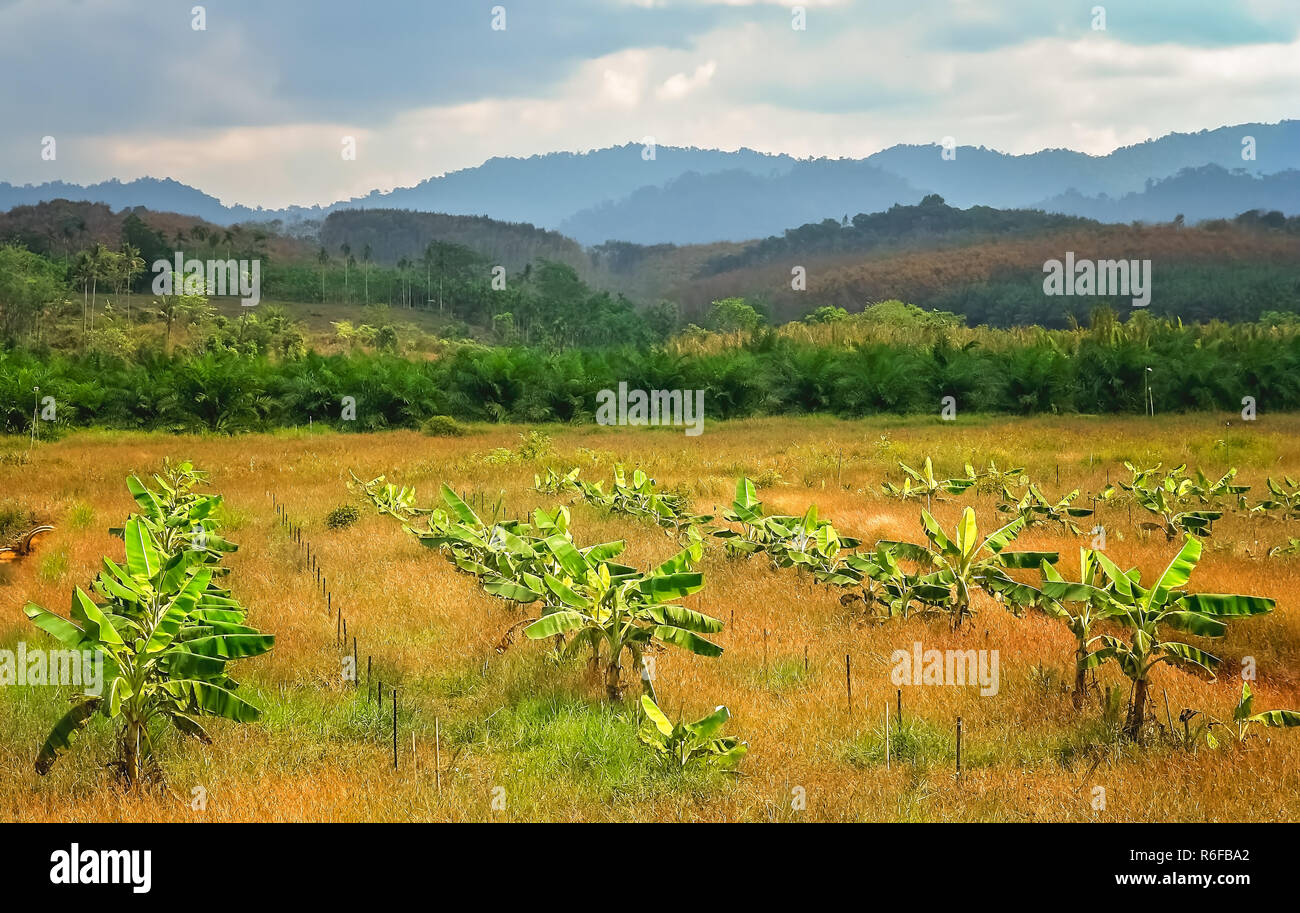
522	737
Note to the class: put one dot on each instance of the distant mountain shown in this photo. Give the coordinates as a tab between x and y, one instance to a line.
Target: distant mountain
157	194
546	189
984	176
1197	194
685	195
737	205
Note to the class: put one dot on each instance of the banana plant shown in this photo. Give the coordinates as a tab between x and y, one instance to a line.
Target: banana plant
924	483
508	556
886	585
178	517
994	479
1244	717
602	604
1170	520
1213	492
165	637
806	541
1091	602
642	498
1035	507
1283	499
690	743
556	482
966	563
1292	547
387	498
1147	612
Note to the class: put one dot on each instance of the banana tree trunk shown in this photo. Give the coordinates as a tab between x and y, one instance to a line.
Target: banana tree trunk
1080	679
614	679
1137	711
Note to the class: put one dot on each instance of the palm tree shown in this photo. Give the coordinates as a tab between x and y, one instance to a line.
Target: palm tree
365	258
402	265
132	266
83	269
323	258
346	250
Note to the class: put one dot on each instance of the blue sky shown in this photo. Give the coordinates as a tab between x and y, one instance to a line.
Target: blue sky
254	107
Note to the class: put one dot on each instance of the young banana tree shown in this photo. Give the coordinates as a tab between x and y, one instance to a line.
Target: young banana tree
994	479
687	743
805	542
606	605
966	563
642	498
1283	499
886	585
387	498
1091	602
1213	492
1035	508
165	636
1147	612
1244	717
924	483
557	482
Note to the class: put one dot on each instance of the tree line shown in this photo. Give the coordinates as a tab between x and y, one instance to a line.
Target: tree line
1105	368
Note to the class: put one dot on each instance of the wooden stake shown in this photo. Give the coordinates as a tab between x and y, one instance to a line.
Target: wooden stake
355	667
437	752
848	681
900	706
958	748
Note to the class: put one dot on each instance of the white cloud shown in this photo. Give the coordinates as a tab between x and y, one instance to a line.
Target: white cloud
843	92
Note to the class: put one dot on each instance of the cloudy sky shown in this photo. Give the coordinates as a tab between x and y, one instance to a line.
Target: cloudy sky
254	108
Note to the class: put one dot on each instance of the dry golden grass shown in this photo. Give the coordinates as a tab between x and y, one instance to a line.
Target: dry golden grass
539	731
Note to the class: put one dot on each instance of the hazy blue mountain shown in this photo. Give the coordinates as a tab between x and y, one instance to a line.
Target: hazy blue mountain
686	195
546	189
157	194
1207	192
985	176
739	205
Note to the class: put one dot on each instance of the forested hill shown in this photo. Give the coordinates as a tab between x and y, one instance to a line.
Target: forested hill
921	225
393	235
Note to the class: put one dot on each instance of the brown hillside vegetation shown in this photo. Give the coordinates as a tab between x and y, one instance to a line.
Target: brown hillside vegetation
852	281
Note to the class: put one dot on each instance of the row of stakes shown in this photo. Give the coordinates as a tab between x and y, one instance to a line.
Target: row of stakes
341	639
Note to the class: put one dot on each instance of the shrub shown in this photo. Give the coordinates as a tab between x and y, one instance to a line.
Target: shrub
342	516
442	426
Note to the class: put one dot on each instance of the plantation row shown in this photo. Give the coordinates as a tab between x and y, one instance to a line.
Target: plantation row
1176	502
582	592
1022	372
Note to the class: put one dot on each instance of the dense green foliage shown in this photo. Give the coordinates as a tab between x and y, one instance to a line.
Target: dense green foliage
1092	371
